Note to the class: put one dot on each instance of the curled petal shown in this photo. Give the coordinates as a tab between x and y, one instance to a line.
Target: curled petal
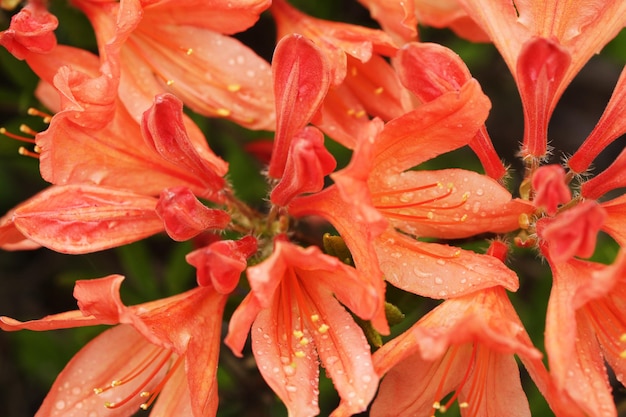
185	217
396	17
164	131
612	178
31	31
573	232
550	188
221	263
307	165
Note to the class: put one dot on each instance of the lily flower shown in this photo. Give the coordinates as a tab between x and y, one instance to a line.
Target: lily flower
544	51
586	328
466	345
392	204
166	348
296	319
163	48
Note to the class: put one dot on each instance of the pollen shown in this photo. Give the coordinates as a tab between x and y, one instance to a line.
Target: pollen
463	218
315	318
223	112
379	91
189	51
169	83
463	405
304	341
233	88
323	328
299	354
298	334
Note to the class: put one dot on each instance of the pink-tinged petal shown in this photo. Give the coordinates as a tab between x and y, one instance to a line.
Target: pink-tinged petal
438	271
612	178
164	131
107	357
217	15
65	320
85	218
441	125
550	188
615	221
308	163
301	80
541	67
292	378
30	31
240	323
429	70
611	126
184	216
449	204
396	17
573	232
221	263
345	355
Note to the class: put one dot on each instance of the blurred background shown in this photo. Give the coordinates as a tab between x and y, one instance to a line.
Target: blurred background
37	283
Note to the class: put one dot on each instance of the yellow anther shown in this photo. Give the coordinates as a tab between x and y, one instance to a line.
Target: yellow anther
109	405
233	88
299	354
524	221
315	317
189	51
463	405
464	217
169	82
622	354
304	341
457	253
450	185
323	328
443	409
465	196
98	391
379	91
298	334
436	405
430	215
222	112
116	383
360	113
622	338
144	394
144	406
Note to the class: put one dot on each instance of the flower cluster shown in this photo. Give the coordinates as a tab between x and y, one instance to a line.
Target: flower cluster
306	269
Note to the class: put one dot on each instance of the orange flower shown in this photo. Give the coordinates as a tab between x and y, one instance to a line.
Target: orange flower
161	46
378	202
166	348
295	320
545	44
586	327
466	346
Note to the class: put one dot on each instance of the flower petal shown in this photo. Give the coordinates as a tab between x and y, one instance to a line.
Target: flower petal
86	218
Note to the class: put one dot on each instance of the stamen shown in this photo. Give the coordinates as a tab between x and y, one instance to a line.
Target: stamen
169	83
233	88
157	390
6	133
223	112
35	112
189	51
25	152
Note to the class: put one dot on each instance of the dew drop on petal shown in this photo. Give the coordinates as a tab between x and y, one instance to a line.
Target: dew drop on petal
60	405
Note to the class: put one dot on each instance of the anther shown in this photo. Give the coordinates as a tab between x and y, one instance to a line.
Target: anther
315	317
189	51
323	328
622	338
298	334
299	354
233	88
378	91
222	112
169	83
25	152
463	405
34	112
304	341
463	218
360	113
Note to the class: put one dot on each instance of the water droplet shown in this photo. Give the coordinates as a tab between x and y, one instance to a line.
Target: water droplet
291	388
442	293
438	280
479	191
441	262
289	370
366	379
60	405
76	391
